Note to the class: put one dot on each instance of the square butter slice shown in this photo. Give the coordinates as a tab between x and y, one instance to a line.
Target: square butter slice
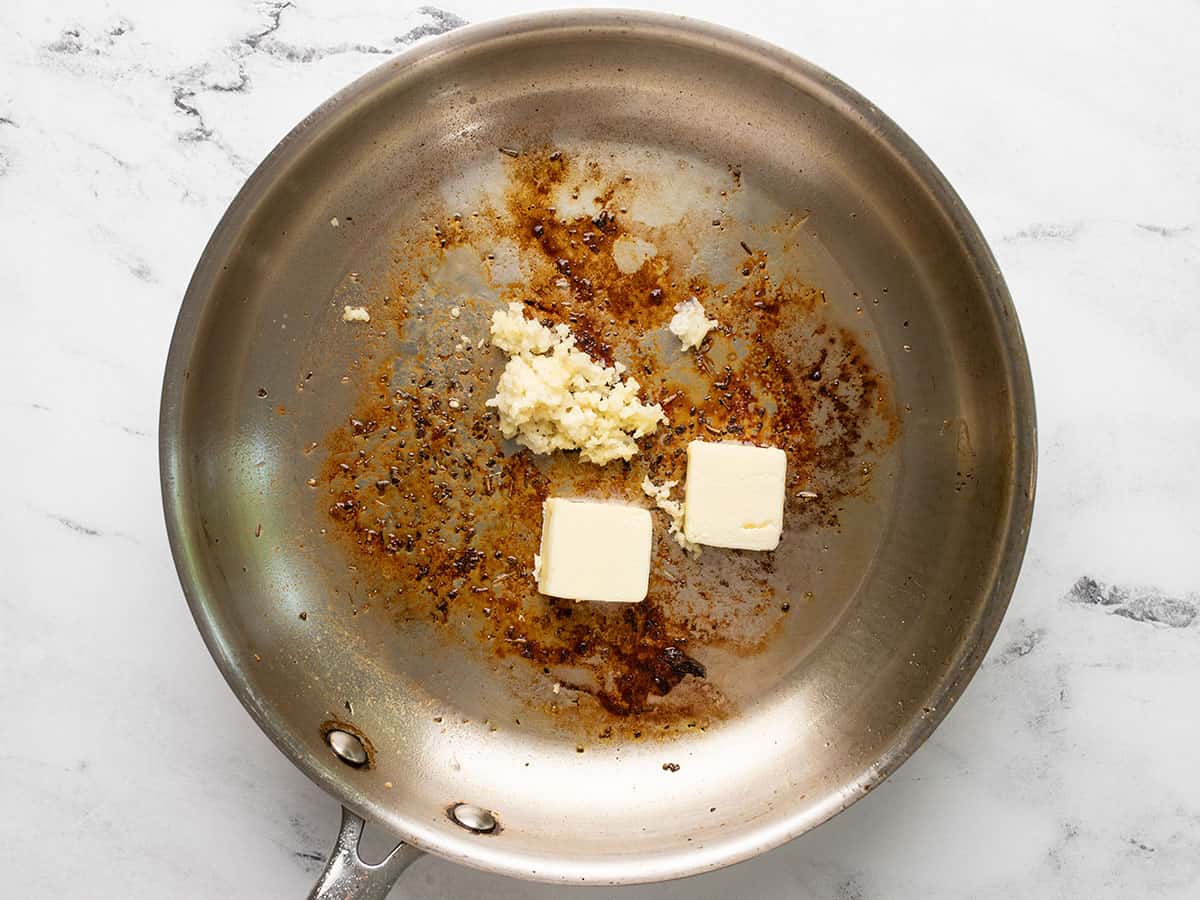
594	551
734	495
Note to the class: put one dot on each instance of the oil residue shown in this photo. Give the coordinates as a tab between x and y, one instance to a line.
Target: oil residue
443	517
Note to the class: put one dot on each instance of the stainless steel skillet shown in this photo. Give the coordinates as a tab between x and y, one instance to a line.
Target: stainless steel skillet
810	677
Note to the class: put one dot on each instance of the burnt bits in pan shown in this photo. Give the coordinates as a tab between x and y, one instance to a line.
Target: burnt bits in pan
441	517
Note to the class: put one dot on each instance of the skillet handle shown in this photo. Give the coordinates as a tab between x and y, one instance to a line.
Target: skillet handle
347	877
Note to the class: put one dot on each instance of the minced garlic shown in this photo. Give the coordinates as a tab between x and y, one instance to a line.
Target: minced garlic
552	396
661	495
355	314
690	324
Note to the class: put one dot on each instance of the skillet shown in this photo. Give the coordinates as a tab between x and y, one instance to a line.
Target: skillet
356	550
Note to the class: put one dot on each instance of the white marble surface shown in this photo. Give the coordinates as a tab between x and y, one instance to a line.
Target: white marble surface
127	769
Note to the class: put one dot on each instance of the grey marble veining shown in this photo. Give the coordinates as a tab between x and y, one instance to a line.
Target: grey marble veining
127	769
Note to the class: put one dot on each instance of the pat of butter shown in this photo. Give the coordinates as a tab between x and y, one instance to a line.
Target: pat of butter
594	551
734	495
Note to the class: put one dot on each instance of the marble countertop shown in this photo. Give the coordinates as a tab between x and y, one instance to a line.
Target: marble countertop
129	769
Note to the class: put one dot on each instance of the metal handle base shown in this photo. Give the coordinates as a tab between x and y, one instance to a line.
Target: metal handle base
347	877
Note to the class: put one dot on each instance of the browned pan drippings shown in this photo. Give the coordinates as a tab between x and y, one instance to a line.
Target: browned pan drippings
441	517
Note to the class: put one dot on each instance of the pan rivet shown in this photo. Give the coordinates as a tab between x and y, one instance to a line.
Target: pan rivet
473	818
348	748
